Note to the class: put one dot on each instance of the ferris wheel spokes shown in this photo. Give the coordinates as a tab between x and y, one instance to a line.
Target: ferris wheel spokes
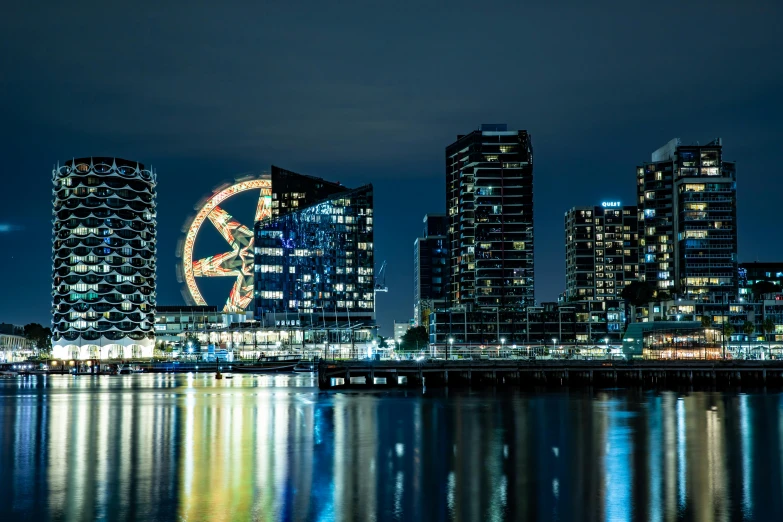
236	262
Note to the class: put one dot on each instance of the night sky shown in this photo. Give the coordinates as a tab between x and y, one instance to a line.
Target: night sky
373	92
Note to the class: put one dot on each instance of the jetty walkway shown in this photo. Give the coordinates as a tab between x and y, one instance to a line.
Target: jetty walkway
530	373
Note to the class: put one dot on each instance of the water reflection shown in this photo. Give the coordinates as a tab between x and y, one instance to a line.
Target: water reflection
275	448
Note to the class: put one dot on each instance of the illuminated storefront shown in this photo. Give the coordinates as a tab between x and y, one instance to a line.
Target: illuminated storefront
204	331
672	340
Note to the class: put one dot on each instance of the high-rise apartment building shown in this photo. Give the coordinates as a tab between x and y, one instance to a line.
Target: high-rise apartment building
103	293
489	200
430	268
602	250
688	221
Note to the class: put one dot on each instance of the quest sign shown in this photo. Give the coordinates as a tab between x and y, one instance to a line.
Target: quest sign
611	204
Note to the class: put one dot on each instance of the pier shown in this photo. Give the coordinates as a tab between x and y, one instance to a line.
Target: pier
335	375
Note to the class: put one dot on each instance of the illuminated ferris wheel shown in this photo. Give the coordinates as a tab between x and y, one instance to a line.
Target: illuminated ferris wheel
237	262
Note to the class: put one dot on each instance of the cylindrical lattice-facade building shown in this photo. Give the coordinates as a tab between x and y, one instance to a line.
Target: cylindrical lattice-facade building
103	259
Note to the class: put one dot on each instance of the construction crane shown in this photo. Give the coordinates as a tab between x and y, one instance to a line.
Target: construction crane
380	280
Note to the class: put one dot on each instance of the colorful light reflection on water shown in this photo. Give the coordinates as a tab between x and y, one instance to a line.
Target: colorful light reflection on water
163	447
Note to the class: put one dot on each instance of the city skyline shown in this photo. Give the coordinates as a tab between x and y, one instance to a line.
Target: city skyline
551	296
591	121
390	261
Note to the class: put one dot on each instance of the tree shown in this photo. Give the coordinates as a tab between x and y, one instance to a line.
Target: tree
163	347
415	338
192	342
425	317
748	328
637	293
760	288
768	326
728	329
706	321
41	337
383	342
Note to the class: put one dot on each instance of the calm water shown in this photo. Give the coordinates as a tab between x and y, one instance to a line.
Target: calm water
151	447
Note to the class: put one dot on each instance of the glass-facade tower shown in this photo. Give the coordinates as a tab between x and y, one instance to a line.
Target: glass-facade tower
489	199
314	265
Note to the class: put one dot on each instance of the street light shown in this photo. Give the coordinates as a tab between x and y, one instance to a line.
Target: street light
502	344
451	347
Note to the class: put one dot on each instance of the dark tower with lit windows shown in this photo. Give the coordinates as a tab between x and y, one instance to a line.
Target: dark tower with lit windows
602	250
489	203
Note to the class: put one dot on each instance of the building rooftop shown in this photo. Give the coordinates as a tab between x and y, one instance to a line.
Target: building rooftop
493	127
667	151
186	309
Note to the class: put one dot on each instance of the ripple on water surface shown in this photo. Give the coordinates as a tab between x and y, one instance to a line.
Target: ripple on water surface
273	447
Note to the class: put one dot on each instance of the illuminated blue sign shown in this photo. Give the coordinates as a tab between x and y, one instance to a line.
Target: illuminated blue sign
611	204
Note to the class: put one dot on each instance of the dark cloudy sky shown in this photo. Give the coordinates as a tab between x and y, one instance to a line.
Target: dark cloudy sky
373	92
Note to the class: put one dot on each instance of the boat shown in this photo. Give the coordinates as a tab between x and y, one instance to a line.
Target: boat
8	373
306	367
264	364
123	369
